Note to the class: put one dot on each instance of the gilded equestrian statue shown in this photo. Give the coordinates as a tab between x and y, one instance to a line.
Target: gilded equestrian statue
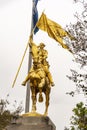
39	75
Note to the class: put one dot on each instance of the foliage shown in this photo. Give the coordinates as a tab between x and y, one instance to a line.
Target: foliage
66	128
6	115
79	47
79	119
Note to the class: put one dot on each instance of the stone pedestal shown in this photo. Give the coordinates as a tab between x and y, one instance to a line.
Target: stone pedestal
32	123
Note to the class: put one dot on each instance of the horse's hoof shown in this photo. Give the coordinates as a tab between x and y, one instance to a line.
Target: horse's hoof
23	84
52	84
45	114
40	98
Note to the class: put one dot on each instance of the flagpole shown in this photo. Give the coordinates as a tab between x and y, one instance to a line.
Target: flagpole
27	104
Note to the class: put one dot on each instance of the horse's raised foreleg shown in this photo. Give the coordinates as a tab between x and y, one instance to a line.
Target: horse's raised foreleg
40	95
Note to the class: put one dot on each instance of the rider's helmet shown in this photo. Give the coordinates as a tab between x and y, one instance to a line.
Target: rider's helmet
42	45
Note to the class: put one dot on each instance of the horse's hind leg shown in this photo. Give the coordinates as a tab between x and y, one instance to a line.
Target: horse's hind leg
47	93
33	99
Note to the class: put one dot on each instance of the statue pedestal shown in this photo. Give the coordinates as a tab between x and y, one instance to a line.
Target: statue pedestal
32	123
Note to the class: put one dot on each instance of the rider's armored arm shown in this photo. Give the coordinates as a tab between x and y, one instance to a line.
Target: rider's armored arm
30	40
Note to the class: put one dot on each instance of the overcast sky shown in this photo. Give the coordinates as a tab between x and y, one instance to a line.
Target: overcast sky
15	26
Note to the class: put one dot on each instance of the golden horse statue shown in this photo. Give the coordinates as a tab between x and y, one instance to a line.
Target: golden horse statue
39	83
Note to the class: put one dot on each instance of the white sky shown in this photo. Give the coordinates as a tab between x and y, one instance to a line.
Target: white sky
15	24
